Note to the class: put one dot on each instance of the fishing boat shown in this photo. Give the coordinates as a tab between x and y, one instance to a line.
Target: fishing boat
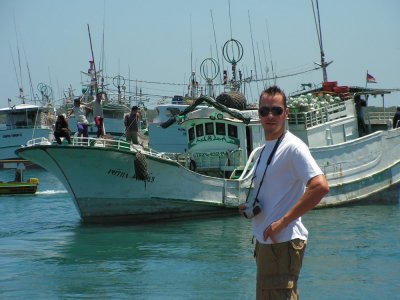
22	122
113	181
18	185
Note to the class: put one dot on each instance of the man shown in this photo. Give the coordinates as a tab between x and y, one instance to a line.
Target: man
396	118
360	105
61	129
80	112
98	115
284	170
132	122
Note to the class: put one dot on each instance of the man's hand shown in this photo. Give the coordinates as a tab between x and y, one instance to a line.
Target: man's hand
272	230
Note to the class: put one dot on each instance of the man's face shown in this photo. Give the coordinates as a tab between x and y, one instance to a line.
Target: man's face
273	122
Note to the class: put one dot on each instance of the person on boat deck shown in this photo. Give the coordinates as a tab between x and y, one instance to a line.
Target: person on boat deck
98	115
287	184
360	106
396	118
131	122
18	175
80	112
61	129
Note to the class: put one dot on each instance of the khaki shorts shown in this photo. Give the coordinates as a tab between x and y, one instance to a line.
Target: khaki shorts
278	268
132	137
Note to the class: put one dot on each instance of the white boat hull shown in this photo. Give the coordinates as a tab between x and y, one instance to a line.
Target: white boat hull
12	139
362	169
367	168
171	190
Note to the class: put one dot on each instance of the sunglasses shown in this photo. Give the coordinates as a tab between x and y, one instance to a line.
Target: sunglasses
264	111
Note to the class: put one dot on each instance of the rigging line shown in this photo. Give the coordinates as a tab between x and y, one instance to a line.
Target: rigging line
19	58
153	82
269	47
292	74
216	45
259	61
15	67
319	26
30	83
102	46
21	88
256	80
316	26
266	63
252	46
29	74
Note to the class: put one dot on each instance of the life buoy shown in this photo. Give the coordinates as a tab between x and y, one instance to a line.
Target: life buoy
192	165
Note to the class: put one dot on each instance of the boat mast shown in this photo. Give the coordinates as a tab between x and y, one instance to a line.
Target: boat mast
94	65
323	64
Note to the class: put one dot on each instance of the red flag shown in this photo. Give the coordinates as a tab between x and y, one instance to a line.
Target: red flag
370	78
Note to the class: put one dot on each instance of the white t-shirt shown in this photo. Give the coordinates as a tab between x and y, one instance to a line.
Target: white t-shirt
97	109
79	113
284	183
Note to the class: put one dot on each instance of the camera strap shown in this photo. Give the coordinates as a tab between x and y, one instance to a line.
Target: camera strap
278	141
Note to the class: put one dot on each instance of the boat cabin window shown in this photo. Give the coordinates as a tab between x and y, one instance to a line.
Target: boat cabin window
199	130
20	119
220	128
191	134
232	131
209	128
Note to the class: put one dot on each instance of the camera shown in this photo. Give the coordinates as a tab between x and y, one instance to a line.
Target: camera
253	208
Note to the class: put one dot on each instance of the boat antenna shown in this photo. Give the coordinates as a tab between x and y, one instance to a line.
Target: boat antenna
323	64
94	65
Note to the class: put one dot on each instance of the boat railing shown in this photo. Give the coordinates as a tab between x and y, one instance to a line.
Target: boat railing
249	165
38	141
379	117
318	116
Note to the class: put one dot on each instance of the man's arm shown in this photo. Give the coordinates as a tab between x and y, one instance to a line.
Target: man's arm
317	188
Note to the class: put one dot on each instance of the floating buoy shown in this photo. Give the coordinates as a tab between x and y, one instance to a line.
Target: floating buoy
33	181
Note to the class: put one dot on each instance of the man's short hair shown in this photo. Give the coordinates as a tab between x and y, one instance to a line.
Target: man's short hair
273	90
135	107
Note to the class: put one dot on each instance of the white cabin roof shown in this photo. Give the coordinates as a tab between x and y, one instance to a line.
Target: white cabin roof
22	107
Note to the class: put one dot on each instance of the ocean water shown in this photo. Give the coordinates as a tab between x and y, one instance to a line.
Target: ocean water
47	253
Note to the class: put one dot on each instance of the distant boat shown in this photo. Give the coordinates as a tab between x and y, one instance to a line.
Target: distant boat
18	185
21	123
112	181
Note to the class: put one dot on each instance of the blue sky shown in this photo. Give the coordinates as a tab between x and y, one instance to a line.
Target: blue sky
161	41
